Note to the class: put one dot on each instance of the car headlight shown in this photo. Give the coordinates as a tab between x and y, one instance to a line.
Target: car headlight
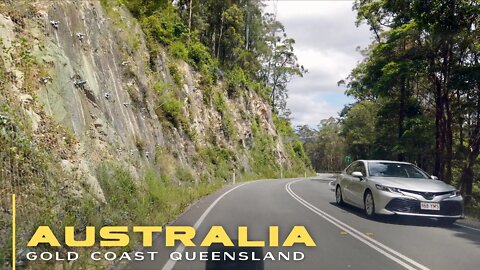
389	189
455	193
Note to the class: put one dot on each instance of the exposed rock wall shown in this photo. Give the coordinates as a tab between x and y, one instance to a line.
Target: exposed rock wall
82	78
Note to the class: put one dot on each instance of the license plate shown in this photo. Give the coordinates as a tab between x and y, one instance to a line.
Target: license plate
429	206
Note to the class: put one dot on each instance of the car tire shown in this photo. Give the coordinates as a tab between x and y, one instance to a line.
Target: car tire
447	222
369	204
338	195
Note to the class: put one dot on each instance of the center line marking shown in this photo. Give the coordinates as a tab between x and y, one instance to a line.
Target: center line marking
383	249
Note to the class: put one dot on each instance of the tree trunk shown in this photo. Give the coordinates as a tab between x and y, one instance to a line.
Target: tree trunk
460	120
448	141
401	118
190	21
220	37
247	25
448	62
214	42
466	178
439	135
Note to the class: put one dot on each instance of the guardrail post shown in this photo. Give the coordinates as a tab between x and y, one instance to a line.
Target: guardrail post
233	176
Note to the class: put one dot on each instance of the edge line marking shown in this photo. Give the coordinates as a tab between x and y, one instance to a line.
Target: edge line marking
171	263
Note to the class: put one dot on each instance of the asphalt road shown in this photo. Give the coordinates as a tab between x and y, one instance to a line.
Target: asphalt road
345	238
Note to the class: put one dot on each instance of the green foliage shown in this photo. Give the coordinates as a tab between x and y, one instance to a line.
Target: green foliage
176	74
221	161
236	80
111	8
184	174
263	159
169	106
293	146
178	50
237	37
199	55
208	92
163	28
325	146
359	129
220	102
144	7
150	200
172	109
31	169
420	70
283	126
118	186
228	125
298	148
161	88
416	142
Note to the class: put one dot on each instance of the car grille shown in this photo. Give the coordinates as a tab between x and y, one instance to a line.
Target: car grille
426	195
447	208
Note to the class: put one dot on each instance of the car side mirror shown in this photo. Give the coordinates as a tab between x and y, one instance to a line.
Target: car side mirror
358	174
433	177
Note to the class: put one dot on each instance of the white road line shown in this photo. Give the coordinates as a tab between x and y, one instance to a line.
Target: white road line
467	227
171	263
386	251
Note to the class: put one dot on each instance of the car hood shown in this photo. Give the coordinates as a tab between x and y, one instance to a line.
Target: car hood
425	185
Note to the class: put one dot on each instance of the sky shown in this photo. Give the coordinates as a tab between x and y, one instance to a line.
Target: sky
327	42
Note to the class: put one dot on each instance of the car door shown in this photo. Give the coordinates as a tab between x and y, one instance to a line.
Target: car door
357	185
347	180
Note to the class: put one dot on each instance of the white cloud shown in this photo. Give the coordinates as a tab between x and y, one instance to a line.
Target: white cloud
309	111
328	62
308	8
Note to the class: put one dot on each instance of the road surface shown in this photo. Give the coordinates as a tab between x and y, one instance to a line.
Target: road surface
345	238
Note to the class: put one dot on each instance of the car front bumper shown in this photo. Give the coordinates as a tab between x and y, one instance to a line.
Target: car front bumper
408	204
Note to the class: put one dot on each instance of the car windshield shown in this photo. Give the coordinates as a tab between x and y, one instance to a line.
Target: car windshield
385	169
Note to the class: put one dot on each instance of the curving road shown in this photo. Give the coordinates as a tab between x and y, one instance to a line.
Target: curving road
345	238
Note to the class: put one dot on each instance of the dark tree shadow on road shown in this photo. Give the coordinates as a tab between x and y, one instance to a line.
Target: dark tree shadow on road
394	219
460	231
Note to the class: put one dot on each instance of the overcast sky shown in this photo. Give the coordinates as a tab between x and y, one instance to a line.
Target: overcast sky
326	44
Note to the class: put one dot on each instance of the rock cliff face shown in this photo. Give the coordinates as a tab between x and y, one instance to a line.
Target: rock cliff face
78	83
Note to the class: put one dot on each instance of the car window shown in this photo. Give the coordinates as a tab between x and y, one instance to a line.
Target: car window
385	169
360	167
350	169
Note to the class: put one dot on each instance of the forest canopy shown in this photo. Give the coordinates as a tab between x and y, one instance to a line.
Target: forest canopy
417	93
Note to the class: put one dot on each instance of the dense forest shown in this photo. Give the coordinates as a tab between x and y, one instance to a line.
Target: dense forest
417	93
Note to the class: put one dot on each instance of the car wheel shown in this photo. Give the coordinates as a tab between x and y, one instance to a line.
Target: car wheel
338	195
369	204
447	222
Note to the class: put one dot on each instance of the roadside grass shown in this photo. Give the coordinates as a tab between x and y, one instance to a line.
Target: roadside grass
154	200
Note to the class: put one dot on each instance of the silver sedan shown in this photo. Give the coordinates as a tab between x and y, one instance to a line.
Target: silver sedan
397	188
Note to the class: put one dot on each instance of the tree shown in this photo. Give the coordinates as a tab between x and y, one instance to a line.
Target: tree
358	128
422	67
324	146
280	62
